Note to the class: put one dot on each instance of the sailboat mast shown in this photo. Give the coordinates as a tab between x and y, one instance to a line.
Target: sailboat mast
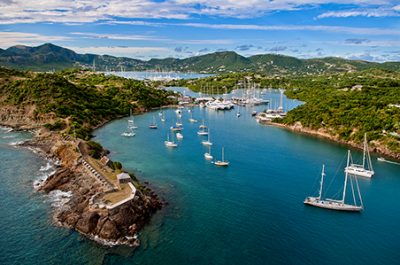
222	154
321	182
346	176
364	149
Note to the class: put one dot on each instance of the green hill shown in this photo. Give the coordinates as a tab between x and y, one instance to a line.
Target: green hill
49	57
75	99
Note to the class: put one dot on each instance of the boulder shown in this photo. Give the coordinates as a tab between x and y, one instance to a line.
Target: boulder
109	230
88	222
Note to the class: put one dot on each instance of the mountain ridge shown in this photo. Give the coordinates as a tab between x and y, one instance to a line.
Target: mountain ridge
47	57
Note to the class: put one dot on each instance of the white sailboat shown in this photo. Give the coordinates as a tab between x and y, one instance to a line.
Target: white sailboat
207	142
208	155
191	118
131	124
179	136
169	143
365	169
179	121
153	125
162	117
202	132
202	126
222	163
129	132
131	121
339	205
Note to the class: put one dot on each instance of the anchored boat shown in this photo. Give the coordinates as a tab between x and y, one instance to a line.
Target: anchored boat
222	162
338	205
365	169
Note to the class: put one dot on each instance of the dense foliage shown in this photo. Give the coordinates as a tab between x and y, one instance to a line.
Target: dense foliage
81	100
345	104
350	105
48	57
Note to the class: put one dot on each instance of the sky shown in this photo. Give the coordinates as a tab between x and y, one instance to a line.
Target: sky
144	29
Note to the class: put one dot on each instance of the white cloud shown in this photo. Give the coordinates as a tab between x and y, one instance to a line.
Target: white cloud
115	36
123	51
127	37
83	11
11	38
335	29
378	12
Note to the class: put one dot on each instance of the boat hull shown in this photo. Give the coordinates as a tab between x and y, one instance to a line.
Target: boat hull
127	134
221	163
332	205
170	144
357	171
207	156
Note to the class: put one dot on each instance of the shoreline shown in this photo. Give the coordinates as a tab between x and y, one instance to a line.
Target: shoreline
108	227
299	129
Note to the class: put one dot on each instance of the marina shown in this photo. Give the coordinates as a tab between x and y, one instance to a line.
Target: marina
259	194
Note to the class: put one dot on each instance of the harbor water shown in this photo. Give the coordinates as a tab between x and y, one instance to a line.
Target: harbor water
251	212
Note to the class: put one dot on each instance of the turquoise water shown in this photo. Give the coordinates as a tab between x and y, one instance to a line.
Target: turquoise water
249	213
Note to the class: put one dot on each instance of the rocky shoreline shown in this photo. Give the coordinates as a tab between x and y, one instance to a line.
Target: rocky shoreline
117	226
324	134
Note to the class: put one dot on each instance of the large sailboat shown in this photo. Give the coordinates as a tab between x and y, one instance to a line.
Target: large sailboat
339	205
129	131
365	169
222	162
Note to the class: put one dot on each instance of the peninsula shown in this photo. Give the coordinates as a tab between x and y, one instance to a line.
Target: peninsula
106	204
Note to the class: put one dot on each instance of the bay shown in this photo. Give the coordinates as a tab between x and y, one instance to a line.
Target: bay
249	213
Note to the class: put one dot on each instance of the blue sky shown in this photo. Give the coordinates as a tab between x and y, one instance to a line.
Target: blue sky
143	29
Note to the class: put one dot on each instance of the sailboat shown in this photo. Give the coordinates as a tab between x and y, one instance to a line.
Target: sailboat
365	169
207	142
162	117
129	132
153	125
179	136
191	118
208	155
203	126
169	143
339	205
179	121
131	122
222	163
202	132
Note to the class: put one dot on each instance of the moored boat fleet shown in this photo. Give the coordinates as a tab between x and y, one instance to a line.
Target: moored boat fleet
352	170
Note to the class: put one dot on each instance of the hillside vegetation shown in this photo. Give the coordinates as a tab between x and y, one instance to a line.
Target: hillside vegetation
48	57
346	105
80	100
